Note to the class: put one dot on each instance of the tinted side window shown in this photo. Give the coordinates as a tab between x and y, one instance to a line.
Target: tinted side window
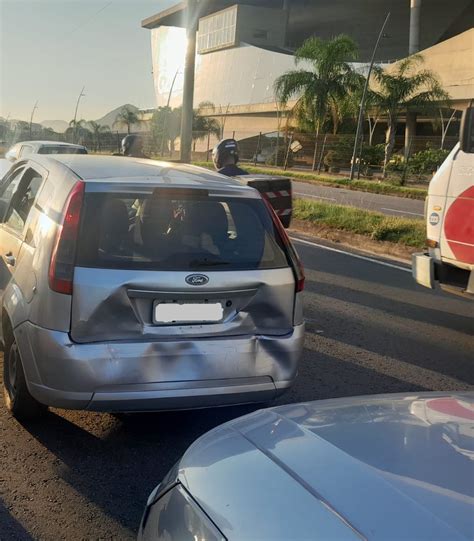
61	149
23	199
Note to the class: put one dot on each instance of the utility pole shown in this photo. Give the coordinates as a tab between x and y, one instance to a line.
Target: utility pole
415	18
364	95
31	117
75	112
188	86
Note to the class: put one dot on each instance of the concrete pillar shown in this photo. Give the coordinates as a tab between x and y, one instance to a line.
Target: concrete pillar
188	85
410	132
415	18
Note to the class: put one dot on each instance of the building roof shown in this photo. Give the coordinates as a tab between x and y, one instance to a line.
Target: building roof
360	19
174	16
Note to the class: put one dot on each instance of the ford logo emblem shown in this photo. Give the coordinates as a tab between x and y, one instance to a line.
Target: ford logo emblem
197	279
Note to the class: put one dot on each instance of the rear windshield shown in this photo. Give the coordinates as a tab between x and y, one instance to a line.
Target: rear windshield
150	231
61	149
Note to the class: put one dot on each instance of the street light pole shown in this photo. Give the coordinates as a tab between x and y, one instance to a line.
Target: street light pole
364	95
168	113
31	117
75	112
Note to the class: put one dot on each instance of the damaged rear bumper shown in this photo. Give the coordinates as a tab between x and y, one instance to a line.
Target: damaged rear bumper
162	375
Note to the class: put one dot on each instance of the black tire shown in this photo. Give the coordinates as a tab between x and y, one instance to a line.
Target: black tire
17	398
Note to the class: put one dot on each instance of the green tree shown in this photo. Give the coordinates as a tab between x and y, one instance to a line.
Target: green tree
326	82
77	131
98	129
406	88
203	125
165	127
5	129
127	116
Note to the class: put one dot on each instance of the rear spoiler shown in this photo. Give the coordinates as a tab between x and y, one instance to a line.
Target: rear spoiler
277	190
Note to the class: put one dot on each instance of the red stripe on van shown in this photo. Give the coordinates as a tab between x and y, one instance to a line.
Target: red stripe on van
459	226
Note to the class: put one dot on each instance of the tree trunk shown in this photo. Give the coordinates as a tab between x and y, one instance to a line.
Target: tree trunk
313	168
389	145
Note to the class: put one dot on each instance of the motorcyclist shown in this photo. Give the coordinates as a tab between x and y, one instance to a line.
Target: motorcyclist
225	156
132	145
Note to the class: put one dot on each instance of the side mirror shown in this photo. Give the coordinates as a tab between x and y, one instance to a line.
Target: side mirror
466	137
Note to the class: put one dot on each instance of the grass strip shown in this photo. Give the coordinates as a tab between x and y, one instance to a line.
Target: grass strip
372	186
375	225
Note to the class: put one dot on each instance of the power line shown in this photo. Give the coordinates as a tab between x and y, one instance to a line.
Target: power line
91	18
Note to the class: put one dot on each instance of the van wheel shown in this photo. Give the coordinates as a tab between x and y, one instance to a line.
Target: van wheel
18	399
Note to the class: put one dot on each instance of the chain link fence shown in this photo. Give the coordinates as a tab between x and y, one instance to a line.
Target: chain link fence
327	153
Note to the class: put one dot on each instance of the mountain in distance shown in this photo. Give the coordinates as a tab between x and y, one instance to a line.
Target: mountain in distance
109	118
59	126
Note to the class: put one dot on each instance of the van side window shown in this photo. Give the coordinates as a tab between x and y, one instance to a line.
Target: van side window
23	199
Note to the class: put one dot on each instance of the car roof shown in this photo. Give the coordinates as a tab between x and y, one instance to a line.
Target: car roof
374	467
126	170
49	143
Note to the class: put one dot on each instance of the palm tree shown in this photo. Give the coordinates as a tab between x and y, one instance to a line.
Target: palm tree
204	125
97	129
165	126
76	127
405	89
327	81
128	117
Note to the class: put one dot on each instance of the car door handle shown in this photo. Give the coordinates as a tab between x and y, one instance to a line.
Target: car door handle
10	259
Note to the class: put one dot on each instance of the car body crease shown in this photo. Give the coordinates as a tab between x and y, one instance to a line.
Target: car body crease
300	480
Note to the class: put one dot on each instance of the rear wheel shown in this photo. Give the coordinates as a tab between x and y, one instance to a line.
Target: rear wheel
18	399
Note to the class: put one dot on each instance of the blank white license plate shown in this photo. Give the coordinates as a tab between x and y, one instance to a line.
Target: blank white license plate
194	313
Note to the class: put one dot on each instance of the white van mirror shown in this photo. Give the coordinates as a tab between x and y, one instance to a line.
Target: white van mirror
466	137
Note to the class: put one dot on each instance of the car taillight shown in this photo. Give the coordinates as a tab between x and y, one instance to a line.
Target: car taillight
290	250
61	268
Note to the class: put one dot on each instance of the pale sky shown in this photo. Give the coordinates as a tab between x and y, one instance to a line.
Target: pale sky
49	49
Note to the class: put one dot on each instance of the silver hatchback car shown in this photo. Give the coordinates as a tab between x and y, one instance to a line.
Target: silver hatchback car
129	284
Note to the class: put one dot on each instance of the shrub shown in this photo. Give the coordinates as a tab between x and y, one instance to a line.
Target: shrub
427	161
396	163
372	156
340	156
279	158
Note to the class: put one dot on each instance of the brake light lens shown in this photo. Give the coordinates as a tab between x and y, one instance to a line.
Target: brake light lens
295	261
61	268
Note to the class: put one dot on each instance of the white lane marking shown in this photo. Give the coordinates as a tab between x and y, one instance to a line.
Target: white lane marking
315	196
357	256
403	211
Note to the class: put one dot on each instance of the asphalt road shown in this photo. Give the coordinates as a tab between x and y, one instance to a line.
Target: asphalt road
370	329
387	204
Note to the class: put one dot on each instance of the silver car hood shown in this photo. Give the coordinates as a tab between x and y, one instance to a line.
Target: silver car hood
380	467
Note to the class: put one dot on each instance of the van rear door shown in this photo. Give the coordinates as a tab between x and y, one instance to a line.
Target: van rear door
457	234
165	262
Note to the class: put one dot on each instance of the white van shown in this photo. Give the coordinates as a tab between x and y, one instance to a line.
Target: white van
449	212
